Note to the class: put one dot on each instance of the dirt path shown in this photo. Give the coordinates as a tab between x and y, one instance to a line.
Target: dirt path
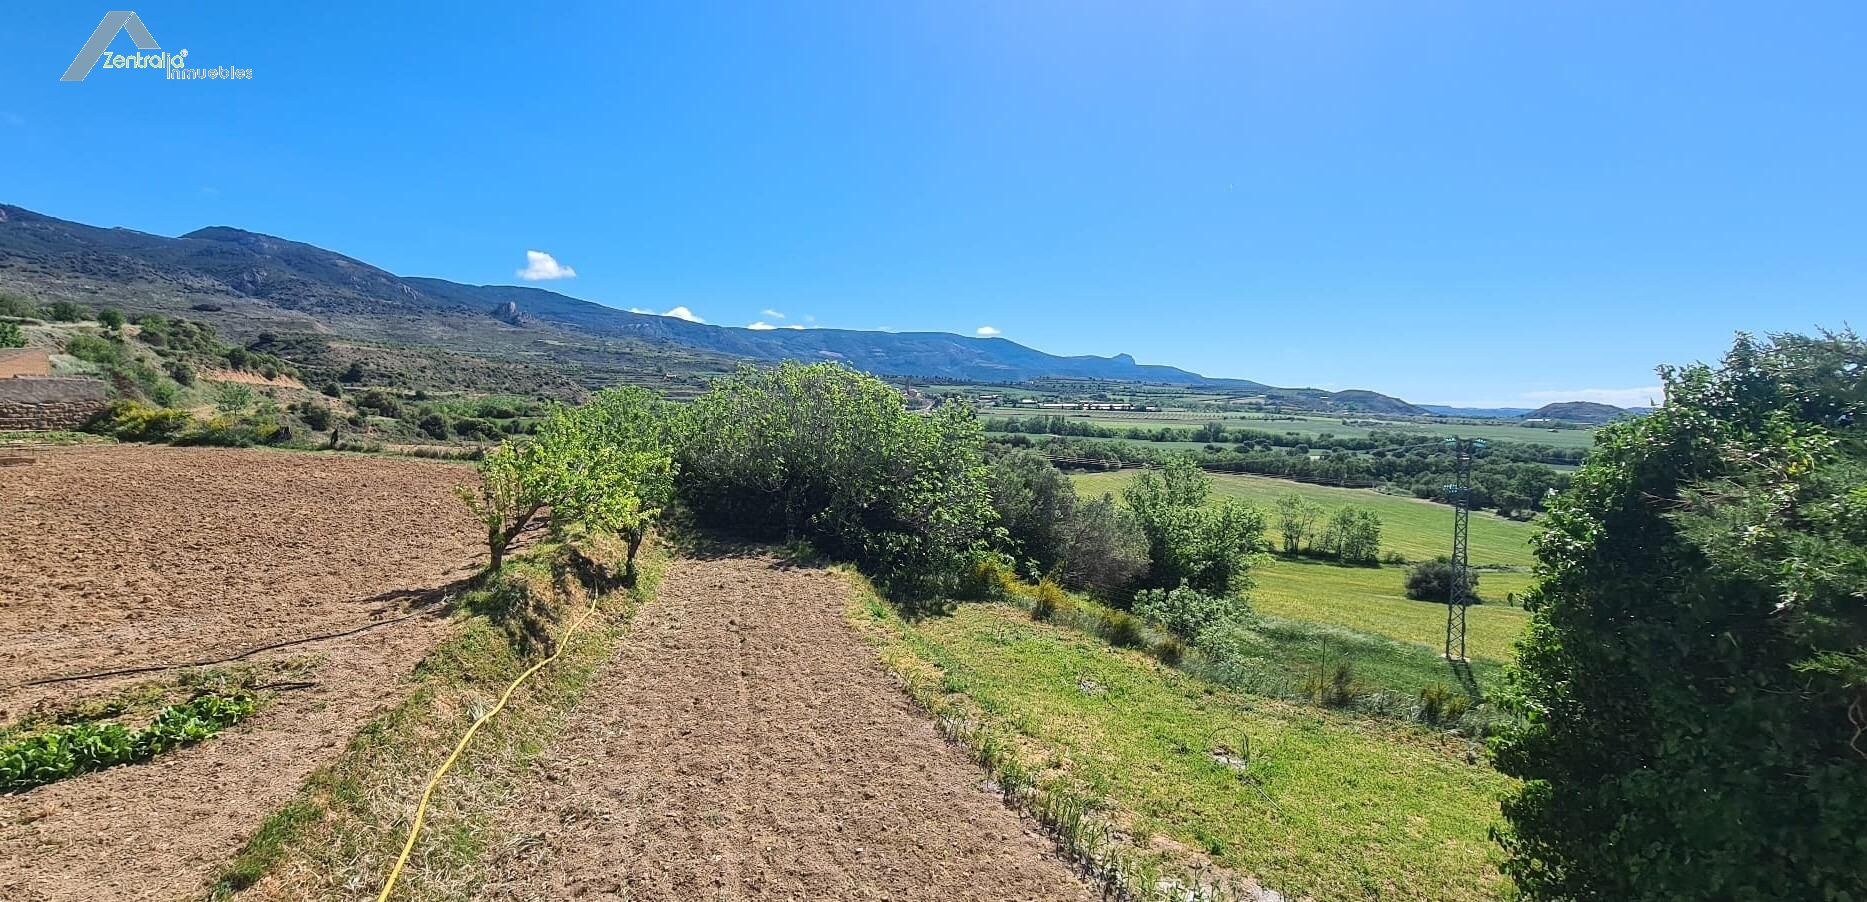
125	556
744	744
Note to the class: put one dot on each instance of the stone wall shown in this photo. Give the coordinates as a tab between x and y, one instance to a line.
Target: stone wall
38	404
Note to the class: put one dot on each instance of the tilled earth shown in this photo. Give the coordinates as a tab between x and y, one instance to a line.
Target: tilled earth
136	556
744	744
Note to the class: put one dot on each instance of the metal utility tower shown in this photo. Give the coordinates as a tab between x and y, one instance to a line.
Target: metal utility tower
1458	596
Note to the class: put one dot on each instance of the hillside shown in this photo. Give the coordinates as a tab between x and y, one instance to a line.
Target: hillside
1578	412
245	283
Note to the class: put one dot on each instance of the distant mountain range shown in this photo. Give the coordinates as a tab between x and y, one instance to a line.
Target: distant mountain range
245	283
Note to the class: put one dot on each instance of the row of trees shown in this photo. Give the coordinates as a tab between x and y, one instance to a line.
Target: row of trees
1498	482
1351	535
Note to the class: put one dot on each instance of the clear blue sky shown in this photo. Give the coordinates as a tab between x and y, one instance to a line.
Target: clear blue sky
1451	202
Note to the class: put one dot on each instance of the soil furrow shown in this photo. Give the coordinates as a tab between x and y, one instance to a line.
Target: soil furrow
745	744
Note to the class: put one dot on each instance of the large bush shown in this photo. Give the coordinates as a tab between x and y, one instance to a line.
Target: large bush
1695	676
1432	581
1187	612
11	336
1090	546
1107	550
824	453
1035	503
1208	546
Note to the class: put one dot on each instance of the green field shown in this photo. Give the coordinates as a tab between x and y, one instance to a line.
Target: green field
1316	425
1372	600
1330	806
1417	530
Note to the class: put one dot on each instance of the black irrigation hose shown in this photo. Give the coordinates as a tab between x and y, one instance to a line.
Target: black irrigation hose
127	671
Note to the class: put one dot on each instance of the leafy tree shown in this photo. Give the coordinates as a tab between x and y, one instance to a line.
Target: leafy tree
1209	547
1353	535
826	453
110	317
604	468
1694	681
65	312
11	336
1036	504
433	425
353	373
1106	548
1296	521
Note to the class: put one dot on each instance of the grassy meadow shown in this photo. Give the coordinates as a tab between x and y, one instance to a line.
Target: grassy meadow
1372	599
1310	802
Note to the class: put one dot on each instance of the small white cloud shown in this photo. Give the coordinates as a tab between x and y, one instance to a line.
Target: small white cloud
678	313
772	313
761	326
794	326
540	266
1643	396
986	331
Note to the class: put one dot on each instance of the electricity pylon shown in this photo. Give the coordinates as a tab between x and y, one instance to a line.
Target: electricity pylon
1458	596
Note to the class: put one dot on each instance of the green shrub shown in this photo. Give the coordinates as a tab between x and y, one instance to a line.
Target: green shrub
103	351
433	426
64	312
1441	704
110	318
134	421
181	372
1121	629
233	397
1694	678
316	416
1047	599
1186	612
1432	581
11	336
832	454
1333	685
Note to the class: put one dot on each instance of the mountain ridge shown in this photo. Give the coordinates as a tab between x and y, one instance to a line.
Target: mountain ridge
302	287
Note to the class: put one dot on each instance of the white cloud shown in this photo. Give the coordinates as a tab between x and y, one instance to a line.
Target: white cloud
772	313
987	331
541	266
761	326
1641	396
678	313
794	326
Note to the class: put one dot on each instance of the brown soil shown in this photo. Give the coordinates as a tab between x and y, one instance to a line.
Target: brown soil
119	557
745	744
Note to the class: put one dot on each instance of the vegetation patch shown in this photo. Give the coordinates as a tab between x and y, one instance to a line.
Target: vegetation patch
342	833
34	757
1162	781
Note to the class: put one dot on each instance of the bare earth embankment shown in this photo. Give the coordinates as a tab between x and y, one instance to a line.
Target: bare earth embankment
744	744
132	556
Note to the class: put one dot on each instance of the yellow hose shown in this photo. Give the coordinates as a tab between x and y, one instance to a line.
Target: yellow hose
427	795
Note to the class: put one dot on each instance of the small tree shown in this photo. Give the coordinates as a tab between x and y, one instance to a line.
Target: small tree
1209	547
1187	612
1353	536
110	317
1296	521
1106	551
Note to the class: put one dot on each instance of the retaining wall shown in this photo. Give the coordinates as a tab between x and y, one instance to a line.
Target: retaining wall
49	403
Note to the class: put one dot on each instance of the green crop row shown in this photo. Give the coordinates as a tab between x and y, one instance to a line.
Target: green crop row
68	750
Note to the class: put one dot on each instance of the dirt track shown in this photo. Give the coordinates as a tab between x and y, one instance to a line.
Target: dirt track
125	556
744	744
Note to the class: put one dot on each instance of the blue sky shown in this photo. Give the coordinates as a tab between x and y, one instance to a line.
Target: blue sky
1495	203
